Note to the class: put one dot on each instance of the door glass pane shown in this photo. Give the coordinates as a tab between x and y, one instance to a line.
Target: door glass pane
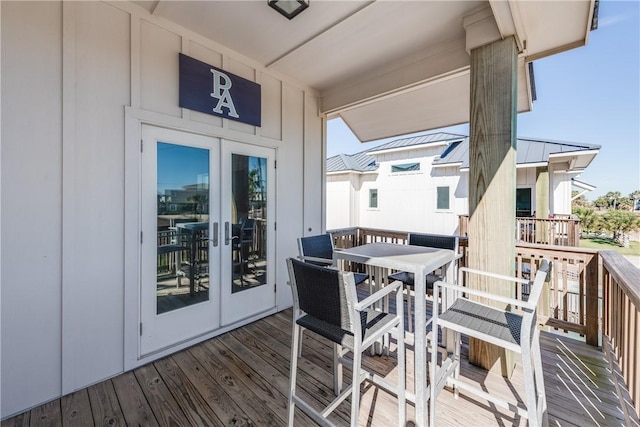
183	226
249	219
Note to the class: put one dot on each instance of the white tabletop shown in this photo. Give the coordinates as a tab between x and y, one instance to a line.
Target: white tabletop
399	257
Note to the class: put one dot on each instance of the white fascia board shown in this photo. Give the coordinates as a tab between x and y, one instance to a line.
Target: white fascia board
445	165
575	153
531	165
408	148
347	172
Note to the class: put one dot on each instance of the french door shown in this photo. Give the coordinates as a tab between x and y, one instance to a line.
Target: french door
248	246
207	239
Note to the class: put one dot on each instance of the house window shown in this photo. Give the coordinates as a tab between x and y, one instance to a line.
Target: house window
373	198
406	167
443	198
523	202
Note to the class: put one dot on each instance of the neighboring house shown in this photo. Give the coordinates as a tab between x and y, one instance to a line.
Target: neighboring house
421	183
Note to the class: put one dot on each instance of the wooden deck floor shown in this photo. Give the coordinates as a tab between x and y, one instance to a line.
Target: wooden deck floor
241	379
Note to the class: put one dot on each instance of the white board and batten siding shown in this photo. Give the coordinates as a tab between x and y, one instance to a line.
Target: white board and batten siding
407	201
78	79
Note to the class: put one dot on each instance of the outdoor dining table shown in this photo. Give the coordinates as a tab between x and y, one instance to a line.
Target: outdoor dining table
419	260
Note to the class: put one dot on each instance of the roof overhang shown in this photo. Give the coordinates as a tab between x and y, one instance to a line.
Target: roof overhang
387	68
573	160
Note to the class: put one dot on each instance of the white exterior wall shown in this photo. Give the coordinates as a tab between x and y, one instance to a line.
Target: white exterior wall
560	183
78	79
340	196
407	200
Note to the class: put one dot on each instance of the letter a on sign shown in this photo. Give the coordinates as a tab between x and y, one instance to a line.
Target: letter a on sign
211	90
221	85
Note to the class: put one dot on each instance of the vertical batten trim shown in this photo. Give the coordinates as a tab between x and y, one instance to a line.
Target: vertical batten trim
135	61
131	304
184	48
68	320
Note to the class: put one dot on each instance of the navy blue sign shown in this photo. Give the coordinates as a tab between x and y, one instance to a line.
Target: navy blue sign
211	90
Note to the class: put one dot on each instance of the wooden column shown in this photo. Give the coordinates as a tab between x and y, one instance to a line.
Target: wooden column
542	203
492	179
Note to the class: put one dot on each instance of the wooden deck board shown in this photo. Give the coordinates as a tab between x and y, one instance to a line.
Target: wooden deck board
241	378
76	409
135	408
104	405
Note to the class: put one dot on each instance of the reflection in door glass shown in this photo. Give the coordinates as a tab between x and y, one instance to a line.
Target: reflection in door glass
249	218
183	226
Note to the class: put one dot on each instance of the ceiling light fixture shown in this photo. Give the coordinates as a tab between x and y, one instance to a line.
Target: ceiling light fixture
289	8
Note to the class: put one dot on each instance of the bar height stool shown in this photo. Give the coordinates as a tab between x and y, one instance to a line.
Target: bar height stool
325	302
512	329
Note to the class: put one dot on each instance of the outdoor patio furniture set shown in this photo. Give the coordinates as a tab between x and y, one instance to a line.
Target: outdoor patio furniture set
326	303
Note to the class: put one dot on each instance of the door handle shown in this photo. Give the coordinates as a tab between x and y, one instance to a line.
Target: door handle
226	233
214	241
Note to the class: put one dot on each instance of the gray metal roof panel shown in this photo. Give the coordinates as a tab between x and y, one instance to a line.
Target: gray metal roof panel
529	150
418	140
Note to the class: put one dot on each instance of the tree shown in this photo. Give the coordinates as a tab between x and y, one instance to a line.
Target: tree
619	224
589	220
613	197
625	204
601	202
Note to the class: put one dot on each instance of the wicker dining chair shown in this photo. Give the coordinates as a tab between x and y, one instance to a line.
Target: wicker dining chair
514	328
325	302
318	250
439	241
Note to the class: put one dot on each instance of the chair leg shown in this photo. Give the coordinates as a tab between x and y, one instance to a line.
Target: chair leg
433	370
301	329
539	376
402	405
356	381
295	335
457	342
529	386
337	369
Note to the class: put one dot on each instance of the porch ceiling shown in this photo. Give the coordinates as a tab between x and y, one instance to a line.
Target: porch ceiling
406	61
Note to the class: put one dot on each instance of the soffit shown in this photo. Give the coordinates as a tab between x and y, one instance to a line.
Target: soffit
360	53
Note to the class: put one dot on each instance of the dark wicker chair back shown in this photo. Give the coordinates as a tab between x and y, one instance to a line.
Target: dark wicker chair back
439	241
319	246
320	293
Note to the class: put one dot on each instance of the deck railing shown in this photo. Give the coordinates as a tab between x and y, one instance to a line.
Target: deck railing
621	318
560	230
569	304
593	296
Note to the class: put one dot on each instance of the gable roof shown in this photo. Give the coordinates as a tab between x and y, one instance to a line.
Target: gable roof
364	161
530	151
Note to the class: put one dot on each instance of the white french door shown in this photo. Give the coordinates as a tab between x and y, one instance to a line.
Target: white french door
180	255
207	235
247	221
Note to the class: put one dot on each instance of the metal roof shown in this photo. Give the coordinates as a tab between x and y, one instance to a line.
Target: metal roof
529	151
364	161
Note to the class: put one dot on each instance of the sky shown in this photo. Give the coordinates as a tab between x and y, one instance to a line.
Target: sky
588	95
